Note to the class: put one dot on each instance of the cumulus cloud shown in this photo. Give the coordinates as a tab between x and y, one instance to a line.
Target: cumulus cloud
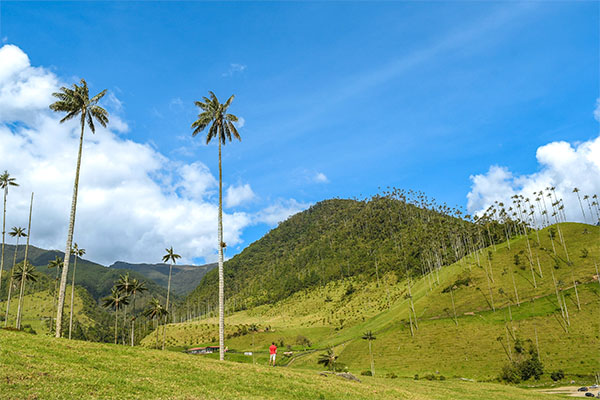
237	195
597	110
561	165
280	211
133	201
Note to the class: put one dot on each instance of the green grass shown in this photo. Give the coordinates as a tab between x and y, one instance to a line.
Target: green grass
39	367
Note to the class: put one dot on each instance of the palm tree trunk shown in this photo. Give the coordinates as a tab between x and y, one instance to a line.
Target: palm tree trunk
65	271
3	233
157	333
372	364
133	321
167	306
24	276
72	297
221	278
116	325
10	285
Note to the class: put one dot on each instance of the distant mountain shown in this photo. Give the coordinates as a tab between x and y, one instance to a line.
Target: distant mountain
184	278
95	278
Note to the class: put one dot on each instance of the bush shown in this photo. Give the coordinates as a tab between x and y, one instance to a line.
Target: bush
416	378
430	377
391	375
557	375
366	373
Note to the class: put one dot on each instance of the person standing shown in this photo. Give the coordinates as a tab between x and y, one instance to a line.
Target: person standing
272	354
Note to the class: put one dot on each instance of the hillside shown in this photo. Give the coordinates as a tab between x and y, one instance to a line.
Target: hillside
184	279
337	239
479	289
95	278
40	367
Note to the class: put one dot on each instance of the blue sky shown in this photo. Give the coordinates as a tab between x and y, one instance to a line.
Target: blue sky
416	95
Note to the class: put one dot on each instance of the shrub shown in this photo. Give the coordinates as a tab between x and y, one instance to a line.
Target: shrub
366	373
557	375
391	375
430	377
416	378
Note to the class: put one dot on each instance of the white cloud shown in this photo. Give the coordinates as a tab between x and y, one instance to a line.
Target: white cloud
321	178
237	195
561	165
234	68
280	211
133	201
597	110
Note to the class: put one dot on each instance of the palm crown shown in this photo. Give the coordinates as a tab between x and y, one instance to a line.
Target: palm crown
6	181
170	256
56	263
76	101
216	113
116	299
25	270
17	232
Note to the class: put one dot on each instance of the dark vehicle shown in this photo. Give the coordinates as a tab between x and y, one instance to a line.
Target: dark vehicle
589	394
582	389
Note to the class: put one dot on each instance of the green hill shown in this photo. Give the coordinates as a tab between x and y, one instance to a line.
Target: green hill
336	239
40	367
184	279
480	289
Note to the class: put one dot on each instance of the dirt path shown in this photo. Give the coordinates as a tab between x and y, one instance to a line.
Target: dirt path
570	391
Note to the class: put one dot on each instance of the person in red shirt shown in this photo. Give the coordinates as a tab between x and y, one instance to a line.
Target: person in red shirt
272	354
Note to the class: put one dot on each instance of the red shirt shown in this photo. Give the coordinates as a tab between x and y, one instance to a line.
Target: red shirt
273	349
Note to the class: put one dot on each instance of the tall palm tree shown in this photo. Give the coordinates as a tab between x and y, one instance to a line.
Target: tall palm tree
17	232
77	252
124	286
576	191
21	273
170	258
253	328
222	128
116	300
58	264
25	270
75	101
155	311
368	336
5	182
136	287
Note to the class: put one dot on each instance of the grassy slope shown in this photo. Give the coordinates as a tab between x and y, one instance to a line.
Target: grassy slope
37	310
471	349
40	367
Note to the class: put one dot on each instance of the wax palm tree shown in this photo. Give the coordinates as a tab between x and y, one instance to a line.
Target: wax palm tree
155	311
136	287
222	128
170	258
75	101
77	252
253	328
116	300
124	286
328	359
368	336
58	264
18	233
25	270
5	182
576	191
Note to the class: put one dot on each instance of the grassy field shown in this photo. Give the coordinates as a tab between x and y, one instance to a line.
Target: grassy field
39	367
331	316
